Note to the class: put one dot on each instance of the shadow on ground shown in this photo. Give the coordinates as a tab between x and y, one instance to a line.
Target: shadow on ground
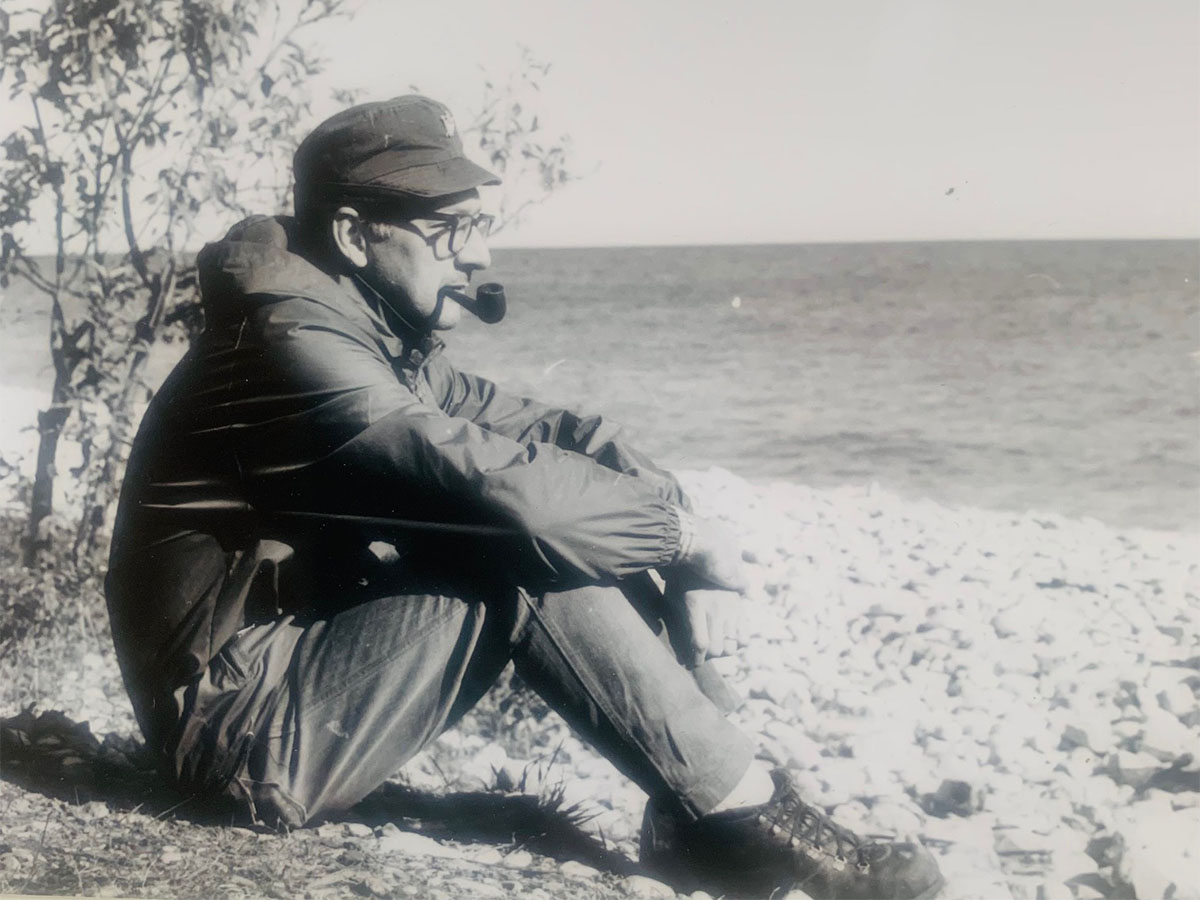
54	756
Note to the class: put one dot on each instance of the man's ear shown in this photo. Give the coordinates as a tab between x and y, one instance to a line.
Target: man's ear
348	236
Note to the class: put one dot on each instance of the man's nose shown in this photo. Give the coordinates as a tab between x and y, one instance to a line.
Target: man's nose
475	255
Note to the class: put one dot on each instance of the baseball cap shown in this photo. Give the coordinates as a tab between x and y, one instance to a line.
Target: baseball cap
407	148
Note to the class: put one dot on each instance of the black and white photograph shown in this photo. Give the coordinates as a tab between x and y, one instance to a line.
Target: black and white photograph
599	450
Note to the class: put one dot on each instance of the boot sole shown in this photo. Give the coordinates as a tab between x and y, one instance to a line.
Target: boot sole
933	890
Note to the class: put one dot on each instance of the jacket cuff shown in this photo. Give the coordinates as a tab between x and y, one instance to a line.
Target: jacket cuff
687	536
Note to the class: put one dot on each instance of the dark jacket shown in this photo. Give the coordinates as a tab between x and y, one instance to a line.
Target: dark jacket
300	427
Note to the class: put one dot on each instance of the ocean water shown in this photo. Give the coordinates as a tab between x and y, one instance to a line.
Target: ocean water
1057	376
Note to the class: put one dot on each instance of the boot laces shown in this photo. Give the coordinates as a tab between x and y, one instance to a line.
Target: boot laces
803	823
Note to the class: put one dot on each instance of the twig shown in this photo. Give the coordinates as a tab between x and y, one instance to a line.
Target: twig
445	778
78	875
286	41
60	255
152	91
171	809
33	274
41	844
88	627
146	869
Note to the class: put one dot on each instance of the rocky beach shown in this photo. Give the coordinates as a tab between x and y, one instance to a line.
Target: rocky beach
1017	690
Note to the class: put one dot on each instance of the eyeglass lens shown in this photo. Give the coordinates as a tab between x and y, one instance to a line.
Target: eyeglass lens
464	227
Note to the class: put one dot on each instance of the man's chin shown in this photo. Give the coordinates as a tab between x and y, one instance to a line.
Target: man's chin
449	313
450	317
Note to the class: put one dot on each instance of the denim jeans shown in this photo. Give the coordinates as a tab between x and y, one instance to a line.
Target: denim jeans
295	720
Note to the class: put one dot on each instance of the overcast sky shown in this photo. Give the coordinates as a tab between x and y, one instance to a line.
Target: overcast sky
707	121
701	121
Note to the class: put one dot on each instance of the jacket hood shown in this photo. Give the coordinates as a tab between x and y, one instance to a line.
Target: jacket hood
258	256
260	259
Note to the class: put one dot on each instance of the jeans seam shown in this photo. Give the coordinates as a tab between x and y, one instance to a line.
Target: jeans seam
596	697
362	675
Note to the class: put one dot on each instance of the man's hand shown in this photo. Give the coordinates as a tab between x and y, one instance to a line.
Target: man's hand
703	593
702	620
712	554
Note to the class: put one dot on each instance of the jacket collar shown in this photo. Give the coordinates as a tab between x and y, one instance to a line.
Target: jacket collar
418	347
262	255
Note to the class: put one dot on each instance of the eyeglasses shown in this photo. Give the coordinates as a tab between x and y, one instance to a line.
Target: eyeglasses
456	232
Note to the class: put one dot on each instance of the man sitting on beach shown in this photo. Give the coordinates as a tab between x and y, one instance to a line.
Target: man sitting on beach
331	541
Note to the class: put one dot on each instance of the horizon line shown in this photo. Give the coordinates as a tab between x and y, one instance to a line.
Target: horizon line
800	243
856	241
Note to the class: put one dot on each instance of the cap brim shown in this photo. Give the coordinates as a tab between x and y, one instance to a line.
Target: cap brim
453	176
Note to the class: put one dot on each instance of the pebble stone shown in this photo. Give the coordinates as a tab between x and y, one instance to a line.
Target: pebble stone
641	886
518	859
392	840
890	646
573	869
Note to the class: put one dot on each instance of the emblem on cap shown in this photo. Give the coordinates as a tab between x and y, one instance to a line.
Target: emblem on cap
448	123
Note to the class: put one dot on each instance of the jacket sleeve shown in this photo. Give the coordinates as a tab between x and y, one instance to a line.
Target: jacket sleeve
326	426
523	420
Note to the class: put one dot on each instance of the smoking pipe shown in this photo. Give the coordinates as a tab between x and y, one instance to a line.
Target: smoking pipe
488	303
